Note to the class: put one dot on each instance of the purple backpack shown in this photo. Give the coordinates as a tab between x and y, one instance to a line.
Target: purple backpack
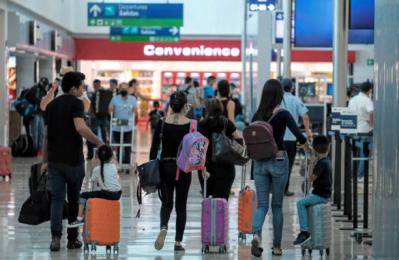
191	155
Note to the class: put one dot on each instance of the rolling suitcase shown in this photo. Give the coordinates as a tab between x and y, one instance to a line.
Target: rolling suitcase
5	162
319	219
102	225
214	223
247	203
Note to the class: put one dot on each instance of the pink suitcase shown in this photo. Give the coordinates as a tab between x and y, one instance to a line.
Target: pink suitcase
214	223
5	162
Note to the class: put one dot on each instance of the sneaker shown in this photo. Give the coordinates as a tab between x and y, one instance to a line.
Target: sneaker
289	193
256	250
76	244
161	239
76	223
302	238
55	244
179	249
277	251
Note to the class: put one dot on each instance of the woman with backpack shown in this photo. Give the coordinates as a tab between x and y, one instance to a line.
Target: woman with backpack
221	175
271	174
170	132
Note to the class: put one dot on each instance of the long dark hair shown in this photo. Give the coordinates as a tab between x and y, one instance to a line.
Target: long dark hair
177	101
104	154
272	95
213	107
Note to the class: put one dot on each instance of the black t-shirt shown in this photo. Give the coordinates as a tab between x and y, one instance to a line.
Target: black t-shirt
280	122
211	125
322	185
172	137
65	144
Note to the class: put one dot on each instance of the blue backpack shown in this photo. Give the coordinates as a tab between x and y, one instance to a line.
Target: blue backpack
209	92
23	106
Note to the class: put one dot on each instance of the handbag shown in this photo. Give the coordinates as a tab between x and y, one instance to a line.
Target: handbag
149	174
226	150
37	208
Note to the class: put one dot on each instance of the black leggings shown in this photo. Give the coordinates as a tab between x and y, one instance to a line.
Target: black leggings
167	188
99	194
290	147
220	181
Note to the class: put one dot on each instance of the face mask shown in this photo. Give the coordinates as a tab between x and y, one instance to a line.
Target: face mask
123	93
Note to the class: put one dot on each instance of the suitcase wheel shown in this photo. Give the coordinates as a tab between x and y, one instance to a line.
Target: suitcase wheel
321	252
93	248
86	248
108	250
327	251
116	249
205	249
303	252
310	252
242	237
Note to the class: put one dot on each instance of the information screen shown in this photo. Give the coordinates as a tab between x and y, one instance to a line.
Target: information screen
361	15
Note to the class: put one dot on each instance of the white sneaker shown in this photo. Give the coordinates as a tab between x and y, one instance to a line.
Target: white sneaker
161	239
76	223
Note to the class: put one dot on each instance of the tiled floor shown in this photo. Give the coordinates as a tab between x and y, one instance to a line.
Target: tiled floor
18	241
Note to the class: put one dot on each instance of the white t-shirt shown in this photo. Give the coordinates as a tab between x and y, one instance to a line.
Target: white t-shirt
111	177
362	105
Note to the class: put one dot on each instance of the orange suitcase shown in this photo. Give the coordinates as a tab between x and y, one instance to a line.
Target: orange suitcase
102	224
247	204
5	162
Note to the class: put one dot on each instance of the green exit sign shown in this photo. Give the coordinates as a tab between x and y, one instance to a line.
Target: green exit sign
370	62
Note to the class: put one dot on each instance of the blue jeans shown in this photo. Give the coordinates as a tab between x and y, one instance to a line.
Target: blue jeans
360	154
270	177
61	178
37	131
303	204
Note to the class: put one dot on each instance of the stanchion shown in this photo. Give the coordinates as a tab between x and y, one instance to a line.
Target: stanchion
337	171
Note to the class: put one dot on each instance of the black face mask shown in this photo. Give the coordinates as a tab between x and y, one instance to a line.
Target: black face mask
123	93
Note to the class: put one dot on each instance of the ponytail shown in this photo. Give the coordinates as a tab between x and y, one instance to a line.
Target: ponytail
105	155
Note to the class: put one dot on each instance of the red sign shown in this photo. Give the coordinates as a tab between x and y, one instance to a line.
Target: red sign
185	50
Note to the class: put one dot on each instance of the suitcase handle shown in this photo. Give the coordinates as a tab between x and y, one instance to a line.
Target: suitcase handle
243	177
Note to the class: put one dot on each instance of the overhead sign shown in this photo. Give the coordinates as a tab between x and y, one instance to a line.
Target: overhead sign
262	5
119	14
200	50
145	34
278	27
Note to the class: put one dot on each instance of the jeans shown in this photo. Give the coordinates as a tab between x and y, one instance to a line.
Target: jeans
98	124
270	177
303	204
360	154
37	131
100	194
167	187
290	147
63	177
127	139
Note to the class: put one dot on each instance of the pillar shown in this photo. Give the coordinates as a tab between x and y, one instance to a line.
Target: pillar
4	106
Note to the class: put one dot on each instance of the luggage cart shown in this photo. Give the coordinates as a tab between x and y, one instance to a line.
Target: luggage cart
119	146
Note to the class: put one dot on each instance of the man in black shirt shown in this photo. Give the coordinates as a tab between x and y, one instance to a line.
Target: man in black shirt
63	150
321	176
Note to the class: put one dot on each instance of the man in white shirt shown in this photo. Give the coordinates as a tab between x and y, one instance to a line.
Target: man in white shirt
363	106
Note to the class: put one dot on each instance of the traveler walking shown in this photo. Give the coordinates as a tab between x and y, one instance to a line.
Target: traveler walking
221	175
225	98
63	155
124	107
297	109
271	175
172	129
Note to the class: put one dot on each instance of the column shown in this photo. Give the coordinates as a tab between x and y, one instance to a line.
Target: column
287	7
386	136
4	107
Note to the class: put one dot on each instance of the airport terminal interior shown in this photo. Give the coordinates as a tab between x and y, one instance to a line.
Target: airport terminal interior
199	129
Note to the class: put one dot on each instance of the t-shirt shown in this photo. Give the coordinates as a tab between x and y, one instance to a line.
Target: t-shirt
297	109
322	185
172	137
111	178
211	125
65	144
123	109
155	115
279	123
362	105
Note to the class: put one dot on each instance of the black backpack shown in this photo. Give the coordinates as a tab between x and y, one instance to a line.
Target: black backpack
23	147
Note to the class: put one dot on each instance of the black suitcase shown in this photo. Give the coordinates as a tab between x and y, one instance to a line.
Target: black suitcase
102	98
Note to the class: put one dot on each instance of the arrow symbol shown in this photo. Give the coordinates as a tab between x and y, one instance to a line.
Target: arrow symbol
174	30
95	10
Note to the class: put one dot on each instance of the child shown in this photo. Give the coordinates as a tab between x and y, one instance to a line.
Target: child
321	177
105	182
155	115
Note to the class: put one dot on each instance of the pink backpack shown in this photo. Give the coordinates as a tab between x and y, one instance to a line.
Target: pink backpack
259	139
191	155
